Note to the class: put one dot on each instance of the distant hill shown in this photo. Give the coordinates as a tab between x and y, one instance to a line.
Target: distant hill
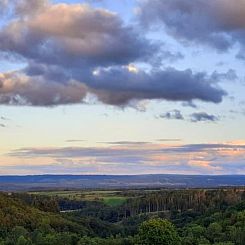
40	182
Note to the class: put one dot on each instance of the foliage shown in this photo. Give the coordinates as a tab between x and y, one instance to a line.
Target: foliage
157	232
201	217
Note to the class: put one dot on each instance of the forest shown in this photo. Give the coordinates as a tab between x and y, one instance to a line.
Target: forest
124	217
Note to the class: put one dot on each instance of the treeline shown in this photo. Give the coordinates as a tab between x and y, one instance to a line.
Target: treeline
225	227
182	200
14	212
171	217
165	203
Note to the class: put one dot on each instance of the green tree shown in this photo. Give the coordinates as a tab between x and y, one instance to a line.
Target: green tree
23	241
214	231
158	231
17	233
203	241
224	243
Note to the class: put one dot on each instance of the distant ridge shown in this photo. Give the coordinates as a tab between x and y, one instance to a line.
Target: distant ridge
46	182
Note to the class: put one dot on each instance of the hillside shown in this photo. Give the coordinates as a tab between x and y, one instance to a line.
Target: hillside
39	182
14	212
186	217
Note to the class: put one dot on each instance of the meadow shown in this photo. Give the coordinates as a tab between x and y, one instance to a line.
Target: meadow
111	198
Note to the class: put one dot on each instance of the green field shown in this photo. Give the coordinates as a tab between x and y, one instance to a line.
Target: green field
110	198
114	201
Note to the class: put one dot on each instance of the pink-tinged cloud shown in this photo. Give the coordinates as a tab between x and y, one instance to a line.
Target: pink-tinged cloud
72	50
161	158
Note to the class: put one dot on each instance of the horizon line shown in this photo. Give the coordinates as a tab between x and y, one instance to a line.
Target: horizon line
90	175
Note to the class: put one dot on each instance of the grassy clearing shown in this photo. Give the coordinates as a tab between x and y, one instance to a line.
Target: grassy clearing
114	201
111	198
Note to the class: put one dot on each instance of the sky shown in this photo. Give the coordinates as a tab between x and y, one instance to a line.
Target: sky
122	87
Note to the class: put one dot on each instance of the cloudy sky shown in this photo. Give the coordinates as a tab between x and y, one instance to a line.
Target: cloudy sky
122	86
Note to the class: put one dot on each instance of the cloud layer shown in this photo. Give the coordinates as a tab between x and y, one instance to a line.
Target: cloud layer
175	114
122	156
72	50
203	117
217	23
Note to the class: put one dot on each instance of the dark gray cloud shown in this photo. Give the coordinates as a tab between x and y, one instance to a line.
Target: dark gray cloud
19	89
203	117
230	75
73	50
175	114
192	148
72	35
4	118
74	141
27	8
119	85
126	150
3	6
78	152
218	23
169	140
115	86
2	125
189	104
171	56
126	143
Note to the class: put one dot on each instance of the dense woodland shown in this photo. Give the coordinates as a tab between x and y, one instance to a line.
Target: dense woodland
171	217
